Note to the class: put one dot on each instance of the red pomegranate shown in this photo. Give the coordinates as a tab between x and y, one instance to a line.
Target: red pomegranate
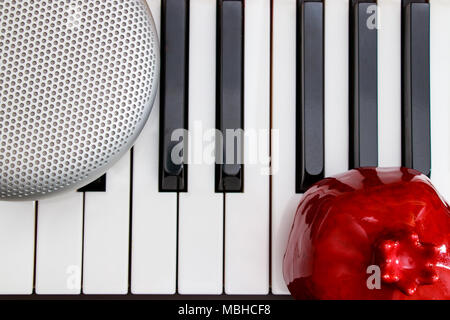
370	233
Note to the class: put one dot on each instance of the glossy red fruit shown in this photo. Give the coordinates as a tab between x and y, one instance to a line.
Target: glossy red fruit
370	234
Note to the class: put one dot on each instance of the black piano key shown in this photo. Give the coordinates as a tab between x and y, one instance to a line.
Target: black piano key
98	185
363	85
310	94
174	95
416	144
230	95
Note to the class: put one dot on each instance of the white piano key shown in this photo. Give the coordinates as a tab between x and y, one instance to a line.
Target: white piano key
17	234
200	239
284	198
336	86
440	95
154	244
106	233
389	83
247	214
59	244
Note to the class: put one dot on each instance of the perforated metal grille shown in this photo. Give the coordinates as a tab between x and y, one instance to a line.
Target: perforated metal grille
77	82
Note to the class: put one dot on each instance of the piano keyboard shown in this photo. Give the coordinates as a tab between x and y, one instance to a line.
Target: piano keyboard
340	85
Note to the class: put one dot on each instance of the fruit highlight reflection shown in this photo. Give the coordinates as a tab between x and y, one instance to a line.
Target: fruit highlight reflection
392	219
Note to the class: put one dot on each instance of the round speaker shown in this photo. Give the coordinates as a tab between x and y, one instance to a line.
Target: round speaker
78	79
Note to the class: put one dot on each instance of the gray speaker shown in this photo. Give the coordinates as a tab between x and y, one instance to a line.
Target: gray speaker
78	79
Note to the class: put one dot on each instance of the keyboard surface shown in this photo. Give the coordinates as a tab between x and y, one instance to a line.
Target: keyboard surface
319	87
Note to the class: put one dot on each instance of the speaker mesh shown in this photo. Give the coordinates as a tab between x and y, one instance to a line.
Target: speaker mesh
77	82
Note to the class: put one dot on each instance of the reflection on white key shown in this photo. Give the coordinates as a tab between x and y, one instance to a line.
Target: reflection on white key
440	95
284	199
59	244
17	224
106	229
336	86
154	245
389	83
247	214
200	236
